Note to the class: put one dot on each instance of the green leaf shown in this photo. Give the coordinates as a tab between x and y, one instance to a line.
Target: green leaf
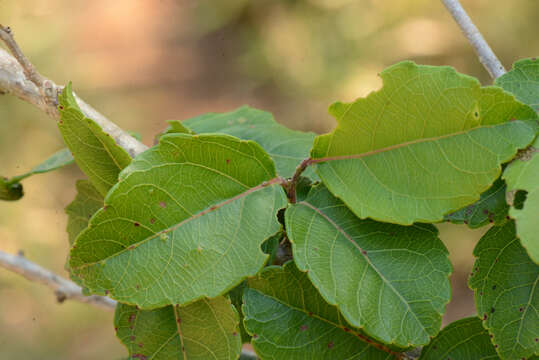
271	247
95	151
490	208
388	279
287	147
426	144
236	297
523	174
523	81
289	320
206	329
465	339
57	160
505	283
185	221
11	189
81	209
176	126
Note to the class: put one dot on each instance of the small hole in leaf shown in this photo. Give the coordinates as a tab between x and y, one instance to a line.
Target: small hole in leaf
491	310
494	287
520	198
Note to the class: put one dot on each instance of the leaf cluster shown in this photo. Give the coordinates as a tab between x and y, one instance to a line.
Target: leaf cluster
194	236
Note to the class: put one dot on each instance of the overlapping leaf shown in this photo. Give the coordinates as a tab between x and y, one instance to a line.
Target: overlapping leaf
287	147
523	174
465	339
506	285
206	329
289	320
523	81
490	208
428	143
81	209
11	189
95	151
185	221
388	279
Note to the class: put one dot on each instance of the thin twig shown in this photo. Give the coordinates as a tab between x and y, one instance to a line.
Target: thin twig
6	34
18	77
63	288
482	49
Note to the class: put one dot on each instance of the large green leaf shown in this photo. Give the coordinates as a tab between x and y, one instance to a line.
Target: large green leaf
523	174
81	209
95	151
289	320
185	221
465	339
206	329
428	143
287	147
388	279
490	208
523	81
11	189
505	283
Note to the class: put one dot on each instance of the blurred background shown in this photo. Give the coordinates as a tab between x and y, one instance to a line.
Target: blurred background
141	62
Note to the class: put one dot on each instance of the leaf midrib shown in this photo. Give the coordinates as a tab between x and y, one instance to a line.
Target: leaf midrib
367	259
407	143
209	209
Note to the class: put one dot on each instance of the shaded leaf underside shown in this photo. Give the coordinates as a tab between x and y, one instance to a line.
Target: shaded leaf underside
465	339
286	147
523	174
523	81
95	152
86	203
388	279
289	320
506	287
204	330
490	208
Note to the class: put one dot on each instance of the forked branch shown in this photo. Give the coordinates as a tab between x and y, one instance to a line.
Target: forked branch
481	47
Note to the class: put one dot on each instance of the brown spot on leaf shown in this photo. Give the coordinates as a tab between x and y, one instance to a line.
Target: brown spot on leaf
163	204
136	223
331	344
303	327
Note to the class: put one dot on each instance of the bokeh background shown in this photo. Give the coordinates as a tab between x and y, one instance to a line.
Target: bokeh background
142	62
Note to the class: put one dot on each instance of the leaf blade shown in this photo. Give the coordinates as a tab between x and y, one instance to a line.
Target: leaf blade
523	81
286	147
429	142
354	262
205	329
95	152
506	294
191	212
465	339
292	321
